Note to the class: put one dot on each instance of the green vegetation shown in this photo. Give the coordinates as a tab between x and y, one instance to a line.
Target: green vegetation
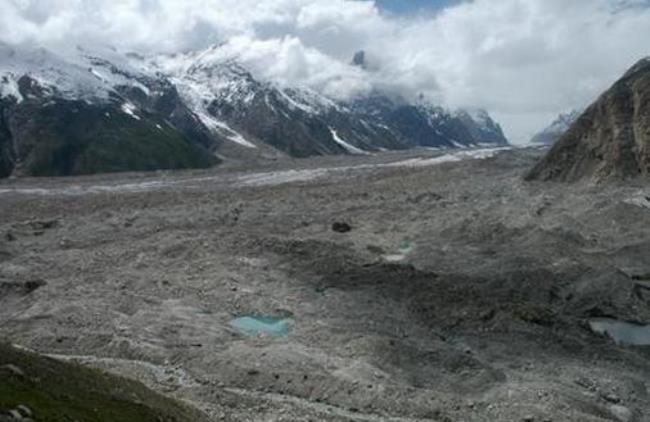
60	391
6	164
75	138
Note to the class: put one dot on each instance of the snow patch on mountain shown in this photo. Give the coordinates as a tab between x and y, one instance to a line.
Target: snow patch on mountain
350	148
199	86
73	75
130	109
9	88
202	79
205	76
224	130
295	104
309	100
211	76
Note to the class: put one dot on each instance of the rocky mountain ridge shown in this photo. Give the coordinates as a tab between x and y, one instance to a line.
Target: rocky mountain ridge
610	140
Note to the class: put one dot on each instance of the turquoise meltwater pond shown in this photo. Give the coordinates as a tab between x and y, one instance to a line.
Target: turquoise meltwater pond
406	247
622	332
259	324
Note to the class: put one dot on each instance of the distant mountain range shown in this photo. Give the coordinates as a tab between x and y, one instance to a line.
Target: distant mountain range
610	140
556	129
99	110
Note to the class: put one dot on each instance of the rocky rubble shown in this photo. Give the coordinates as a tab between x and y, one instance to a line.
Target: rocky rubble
461	292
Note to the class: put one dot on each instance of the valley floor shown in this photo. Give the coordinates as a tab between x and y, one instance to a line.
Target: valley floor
454	290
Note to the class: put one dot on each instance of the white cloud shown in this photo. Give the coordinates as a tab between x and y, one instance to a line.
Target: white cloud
523	60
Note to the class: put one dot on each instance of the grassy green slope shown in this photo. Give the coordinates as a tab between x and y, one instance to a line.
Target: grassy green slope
59	391
6	163
74	138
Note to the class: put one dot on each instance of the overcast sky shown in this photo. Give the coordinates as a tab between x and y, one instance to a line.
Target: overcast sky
523	60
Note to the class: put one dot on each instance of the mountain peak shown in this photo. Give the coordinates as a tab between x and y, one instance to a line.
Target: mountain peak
640	66
359	59
556	129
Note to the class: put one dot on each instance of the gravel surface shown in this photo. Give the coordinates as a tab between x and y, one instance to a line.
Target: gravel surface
456	292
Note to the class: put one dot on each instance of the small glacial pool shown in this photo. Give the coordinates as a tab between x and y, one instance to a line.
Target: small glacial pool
406	247
263	325
622	332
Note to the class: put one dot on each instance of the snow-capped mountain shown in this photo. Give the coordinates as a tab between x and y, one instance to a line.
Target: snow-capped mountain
295	120
303	122
556	129
96	110
88	112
